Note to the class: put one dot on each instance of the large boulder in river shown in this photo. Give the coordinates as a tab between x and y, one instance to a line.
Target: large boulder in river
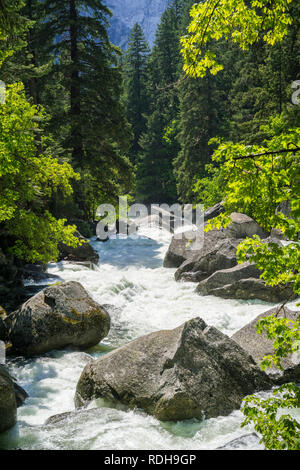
181	249
193	371
84	252
8	403
258	345
225	277
58	316
216	254
243	282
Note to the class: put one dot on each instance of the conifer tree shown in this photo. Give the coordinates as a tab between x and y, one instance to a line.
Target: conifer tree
135	80
97	133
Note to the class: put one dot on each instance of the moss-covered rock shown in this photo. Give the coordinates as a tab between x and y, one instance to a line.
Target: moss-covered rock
58	316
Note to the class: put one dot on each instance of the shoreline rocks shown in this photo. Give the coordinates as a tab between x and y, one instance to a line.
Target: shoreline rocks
215	267
193	371
259	346
58	316
243	282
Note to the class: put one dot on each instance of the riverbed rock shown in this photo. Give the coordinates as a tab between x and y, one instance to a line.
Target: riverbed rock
242	282
8	404
217	253
181	249
243	226
59	316
224	277
193	371
83	252
247	442
259	346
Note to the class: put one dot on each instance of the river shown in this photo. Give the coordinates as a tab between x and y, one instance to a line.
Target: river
130	276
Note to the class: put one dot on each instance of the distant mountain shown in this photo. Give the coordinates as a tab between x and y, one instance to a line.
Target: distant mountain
128	12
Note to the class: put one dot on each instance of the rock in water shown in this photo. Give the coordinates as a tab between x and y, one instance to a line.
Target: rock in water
246	442
59	316
259	346
180	250
214	241
240	283
20	394
217	253
226	277
193	371
8	404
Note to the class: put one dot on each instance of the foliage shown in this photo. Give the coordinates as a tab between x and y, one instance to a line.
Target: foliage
210	189
285	335
260	174
279	432
259	178
12	24
243	22
82	94
27	181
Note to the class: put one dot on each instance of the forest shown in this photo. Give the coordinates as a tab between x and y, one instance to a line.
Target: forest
210	114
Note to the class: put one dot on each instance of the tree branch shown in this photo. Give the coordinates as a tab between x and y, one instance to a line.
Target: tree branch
274	152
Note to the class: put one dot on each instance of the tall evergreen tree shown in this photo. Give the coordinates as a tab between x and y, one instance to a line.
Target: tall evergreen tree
135	79
88	66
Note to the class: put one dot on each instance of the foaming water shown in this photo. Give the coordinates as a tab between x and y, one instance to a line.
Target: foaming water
131	278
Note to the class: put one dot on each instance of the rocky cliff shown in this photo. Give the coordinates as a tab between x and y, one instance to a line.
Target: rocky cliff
128	12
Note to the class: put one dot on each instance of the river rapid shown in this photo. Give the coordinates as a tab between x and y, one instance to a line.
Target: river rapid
146	298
